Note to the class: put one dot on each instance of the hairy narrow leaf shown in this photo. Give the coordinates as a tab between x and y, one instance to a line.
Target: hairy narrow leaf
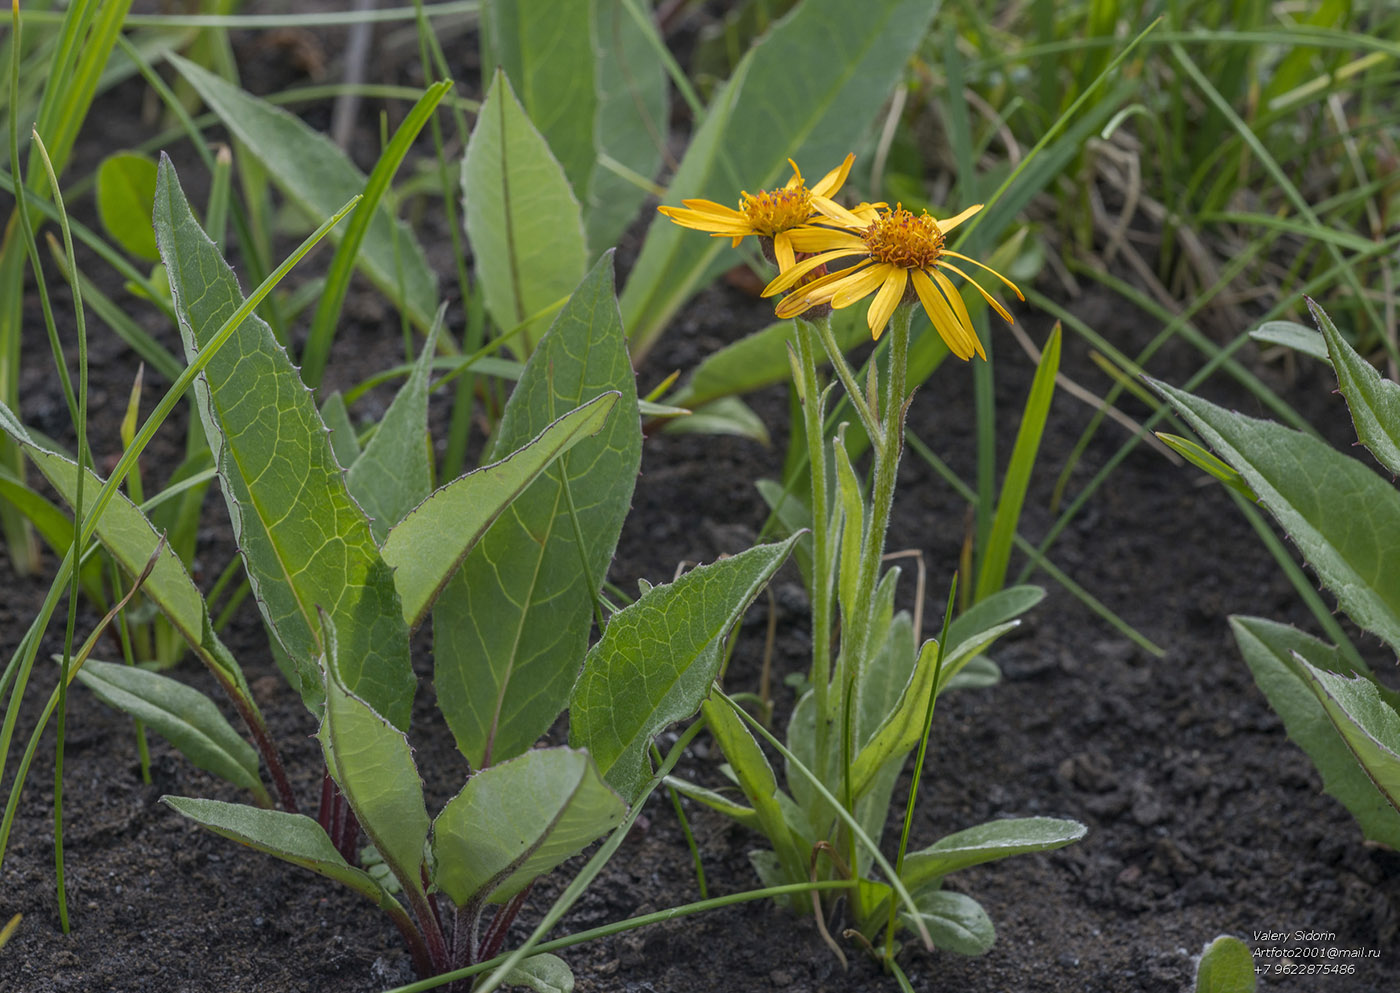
393	474
294	838
987	843
655	661
1344	518
521	216
1291	334
779	103
1207	463
511	629
1373	400
318	177
515	821
1273	651
432	540
305	542
181	714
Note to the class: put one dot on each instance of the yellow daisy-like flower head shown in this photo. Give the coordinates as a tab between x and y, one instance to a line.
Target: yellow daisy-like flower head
771	215
901	257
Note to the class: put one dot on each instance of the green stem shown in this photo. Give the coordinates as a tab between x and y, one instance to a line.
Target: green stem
848	378
810	391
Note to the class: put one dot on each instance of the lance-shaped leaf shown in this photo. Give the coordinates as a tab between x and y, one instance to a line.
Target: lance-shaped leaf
988	843
780	102
305	542
371	761
523	220
392	475
630	124
294	838
1343	517
428	545
181	714
545	49
1275	654
128	537
1370	728
516	821
318	177
657	658
1374	401
511	629
1226	966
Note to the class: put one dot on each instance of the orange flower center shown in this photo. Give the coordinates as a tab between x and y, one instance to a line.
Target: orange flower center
774	211
899	238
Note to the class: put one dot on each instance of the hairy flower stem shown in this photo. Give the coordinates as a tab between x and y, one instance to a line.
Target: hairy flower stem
812	394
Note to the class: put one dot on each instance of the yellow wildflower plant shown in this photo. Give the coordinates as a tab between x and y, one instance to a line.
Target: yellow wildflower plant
771	215
896	248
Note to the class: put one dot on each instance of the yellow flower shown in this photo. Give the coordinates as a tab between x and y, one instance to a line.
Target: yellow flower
896	248
771	214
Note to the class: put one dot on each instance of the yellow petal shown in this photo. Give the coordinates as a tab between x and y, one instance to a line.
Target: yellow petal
699	221
833	180
838	213
960	337
985	295
814	239
862	285
1014	288
819	290
796	179
719	209
782	250
882	307
952	222
959	307
791	276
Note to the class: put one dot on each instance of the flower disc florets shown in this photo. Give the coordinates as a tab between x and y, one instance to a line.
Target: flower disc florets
900	238
772	212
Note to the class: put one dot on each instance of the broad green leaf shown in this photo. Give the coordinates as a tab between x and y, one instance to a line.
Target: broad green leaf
630	125
850	504
126	192
511	628
305	542
1343	517
523	220
656	659
294	838
372	763
517	820
129	538
978	674
782	101
181	714
545	49
956	922
1373	400
428	545
966	651
1226	966
883	680
991	573
1370	728
543	973
53	525
988	843
1291	334
993	610
393	474
903	726
1273	652
318	177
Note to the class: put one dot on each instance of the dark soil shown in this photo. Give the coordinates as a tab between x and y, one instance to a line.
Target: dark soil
1203	818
